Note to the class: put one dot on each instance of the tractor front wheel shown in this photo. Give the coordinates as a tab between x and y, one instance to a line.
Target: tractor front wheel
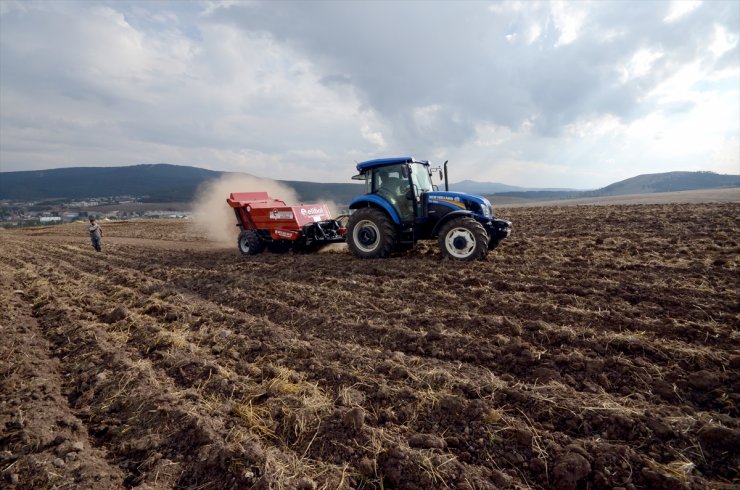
463	239
370	234
249	243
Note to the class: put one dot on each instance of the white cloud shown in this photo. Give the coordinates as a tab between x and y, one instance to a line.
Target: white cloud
225	100
726	158
374	137
723	41
569	18
426	117
590	127
534	32
490	135
640	64
680	9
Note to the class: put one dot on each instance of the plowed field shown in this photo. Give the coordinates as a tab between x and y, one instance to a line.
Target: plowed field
598	347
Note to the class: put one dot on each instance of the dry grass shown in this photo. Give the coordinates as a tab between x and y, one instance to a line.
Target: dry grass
617	305
258	419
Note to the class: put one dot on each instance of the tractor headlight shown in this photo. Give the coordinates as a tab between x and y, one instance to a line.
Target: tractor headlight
483	209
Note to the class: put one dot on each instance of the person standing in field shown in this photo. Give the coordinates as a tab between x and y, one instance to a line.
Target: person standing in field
96	235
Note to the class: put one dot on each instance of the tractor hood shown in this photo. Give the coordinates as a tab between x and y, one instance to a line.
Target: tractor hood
461	200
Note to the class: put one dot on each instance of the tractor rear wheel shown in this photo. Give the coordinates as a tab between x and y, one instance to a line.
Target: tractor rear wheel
463	239
370	234
249	243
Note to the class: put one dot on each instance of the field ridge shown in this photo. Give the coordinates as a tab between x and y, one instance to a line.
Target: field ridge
596	348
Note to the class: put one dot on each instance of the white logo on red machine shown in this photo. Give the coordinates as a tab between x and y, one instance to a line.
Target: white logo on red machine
284	234
312	211
278	214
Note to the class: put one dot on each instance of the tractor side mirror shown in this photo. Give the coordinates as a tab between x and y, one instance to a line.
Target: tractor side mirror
440	174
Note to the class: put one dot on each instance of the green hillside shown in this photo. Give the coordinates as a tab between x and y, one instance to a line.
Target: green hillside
669	182
642	184
160	182
151	183
178	183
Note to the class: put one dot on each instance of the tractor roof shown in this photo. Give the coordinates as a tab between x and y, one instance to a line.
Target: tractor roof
382	162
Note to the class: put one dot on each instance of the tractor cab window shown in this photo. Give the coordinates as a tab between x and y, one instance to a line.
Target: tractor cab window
390	180
392	184
365	179
420	178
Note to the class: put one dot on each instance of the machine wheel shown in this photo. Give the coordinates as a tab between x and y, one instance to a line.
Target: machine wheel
370	234
249	243
463	239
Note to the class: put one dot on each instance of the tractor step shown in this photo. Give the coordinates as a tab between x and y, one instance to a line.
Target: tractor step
407	236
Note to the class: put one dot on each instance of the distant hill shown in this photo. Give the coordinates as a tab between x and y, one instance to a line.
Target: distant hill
474	187
160	182
642	184
315	191
178	183
669	182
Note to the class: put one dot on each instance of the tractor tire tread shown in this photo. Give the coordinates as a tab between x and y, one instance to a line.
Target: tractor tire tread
480	234
385	226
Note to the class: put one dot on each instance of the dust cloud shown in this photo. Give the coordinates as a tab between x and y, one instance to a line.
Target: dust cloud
333	248
213	217
333	208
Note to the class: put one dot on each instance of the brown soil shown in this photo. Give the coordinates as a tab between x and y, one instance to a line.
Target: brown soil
598	347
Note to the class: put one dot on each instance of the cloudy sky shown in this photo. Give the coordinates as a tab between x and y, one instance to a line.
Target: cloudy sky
539	94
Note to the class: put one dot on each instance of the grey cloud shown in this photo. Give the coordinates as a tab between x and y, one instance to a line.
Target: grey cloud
678	107
730	59
406	55
395	57
336	80
414	77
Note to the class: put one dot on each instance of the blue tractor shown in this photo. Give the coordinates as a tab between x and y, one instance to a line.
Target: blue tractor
402	206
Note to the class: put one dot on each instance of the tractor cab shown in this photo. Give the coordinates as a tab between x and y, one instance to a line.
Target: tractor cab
400	182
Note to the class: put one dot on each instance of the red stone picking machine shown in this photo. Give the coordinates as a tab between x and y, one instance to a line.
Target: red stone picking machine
270	223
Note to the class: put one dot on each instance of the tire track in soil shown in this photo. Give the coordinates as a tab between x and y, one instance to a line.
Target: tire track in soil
209	462
469	473
613	435
43	440
409	341
524	424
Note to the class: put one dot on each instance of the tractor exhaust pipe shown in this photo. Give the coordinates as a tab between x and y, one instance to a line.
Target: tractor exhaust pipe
447	184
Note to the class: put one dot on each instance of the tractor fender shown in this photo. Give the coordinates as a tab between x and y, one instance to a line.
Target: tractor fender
450	216
372	200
